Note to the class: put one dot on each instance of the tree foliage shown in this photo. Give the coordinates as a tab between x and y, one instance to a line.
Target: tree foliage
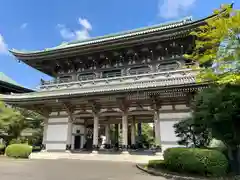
191	133
217	48
15	121
147	135
218	109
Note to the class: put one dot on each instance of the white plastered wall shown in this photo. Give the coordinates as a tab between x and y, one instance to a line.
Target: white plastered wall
167	131
56	131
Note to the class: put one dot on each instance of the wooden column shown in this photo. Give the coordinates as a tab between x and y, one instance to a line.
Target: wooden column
95	111
107	134
157	128
133	132
124	131
95	131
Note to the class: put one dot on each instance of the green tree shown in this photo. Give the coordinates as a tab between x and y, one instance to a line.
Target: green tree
191	133
15	121
219	109
11	121
147	135
217	48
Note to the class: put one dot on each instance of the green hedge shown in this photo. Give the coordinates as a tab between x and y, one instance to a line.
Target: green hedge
17	141
204	162
18	150
156	164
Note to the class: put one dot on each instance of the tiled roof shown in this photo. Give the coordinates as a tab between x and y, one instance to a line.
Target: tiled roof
8	80
162	82
115	36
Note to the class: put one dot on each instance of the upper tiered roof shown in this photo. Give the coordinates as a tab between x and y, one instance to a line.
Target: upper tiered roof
177	26
115	36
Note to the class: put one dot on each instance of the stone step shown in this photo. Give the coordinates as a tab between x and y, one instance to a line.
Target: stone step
95	157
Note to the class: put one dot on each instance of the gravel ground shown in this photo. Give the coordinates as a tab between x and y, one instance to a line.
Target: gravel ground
70	170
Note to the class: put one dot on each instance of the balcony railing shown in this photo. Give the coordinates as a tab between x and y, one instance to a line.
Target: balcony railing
166	78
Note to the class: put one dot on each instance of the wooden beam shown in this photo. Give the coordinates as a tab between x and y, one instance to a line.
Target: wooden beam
69	108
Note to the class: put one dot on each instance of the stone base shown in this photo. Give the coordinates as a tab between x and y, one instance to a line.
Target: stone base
125	152
94	152
158	153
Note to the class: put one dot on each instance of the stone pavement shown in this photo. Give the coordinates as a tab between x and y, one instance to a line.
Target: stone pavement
68	169
96	157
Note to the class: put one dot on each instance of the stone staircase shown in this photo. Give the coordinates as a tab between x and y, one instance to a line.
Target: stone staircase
95	157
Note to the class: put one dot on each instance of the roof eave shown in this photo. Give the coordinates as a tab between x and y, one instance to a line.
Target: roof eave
186	22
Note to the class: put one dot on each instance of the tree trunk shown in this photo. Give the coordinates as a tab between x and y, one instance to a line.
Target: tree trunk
234	159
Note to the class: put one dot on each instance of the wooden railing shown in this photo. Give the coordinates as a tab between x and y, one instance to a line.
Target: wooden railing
159	76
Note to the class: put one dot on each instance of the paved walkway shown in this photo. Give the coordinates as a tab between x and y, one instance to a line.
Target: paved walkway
70	170
136	158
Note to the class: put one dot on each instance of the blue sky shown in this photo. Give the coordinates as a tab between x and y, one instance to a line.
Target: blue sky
35	25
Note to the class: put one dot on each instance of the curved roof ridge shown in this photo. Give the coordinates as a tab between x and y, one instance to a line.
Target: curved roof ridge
185	19
117	35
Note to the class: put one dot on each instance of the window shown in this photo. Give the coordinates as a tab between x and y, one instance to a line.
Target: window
168	66
85	77
139	70
113	73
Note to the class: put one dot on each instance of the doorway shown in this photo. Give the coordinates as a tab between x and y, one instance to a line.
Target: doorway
77	142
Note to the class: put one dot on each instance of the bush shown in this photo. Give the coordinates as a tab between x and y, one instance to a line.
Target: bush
17	141
18	150
156	164
194	160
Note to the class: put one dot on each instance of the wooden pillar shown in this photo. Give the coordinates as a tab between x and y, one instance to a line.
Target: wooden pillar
95	131
157	128
69	136
133	132
107	134
124	131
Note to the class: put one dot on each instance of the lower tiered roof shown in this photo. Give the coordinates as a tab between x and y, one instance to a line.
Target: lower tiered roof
179	79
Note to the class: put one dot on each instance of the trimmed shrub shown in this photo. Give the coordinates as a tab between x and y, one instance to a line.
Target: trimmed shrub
18	150
204	162
15	141
156	164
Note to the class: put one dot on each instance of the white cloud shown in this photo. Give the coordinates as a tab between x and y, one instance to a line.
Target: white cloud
3	46
24	25
174	8
79	34
85	23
